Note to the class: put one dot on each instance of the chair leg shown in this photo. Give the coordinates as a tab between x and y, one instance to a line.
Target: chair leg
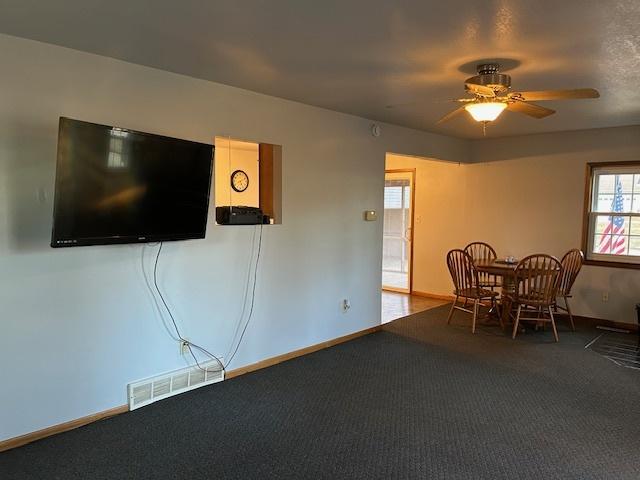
515	324
453	306
475	315
566	302
553	324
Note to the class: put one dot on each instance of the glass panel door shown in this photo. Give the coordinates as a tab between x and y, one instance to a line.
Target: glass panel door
396	244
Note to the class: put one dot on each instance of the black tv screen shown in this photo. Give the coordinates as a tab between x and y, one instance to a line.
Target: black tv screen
121	186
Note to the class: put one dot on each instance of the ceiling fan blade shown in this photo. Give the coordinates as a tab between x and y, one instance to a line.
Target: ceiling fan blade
480	89
542	95
530	109
450	115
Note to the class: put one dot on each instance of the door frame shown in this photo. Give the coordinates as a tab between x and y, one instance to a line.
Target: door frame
412	171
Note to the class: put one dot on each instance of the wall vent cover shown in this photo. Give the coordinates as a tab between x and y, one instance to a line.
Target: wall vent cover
149	390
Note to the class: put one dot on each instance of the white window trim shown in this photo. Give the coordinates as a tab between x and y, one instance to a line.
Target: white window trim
593	172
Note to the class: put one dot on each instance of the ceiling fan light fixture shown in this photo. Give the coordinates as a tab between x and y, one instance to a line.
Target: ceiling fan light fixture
485	111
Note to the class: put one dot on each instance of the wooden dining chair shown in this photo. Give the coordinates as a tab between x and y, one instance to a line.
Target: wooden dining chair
466	285
483	251
571	265
535	289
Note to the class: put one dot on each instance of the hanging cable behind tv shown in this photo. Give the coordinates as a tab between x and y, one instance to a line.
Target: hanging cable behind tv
242	325
190	345
253	297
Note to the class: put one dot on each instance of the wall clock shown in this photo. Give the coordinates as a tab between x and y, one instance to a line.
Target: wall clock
239	180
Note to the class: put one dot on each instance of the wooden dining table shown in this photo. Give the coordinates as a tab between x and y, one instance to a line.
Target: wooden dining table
507	272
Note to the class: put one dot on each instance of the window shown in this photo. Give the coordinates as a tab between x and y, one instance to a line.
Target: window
612	214
116	158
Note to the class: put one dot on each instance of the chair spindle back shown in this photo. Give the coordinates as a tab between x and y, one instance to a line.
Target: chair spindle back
571	265
462	271
536	279
482	251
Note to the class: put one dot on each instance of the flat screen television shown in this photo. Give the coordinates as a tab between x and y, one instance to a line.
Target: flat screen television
115	185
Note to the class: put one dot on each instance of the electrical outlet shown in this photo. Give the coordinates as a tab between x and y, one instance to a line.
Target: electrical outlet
346	305
605	296
184	347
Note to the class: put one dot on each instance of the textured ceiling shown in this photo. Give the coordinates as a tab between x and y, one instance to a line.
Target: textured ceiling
359	56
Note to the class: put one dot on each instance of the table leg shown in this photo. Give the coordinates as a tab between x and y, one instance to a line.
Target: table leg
508	289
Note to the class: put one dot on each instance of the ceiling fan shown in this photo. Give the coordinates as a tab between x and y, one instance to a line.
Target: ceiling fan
492	95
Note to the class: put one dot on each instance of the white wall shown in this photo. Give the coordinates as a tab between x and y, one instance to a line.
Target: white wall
78	324
439	208
529	197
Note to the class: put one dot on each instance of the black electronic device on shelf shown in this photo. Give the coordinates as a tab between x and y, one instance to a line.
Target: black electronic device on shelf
239	215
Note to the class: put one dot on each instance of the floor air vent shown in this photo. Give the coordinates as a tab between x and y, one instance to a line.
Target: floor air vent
149	390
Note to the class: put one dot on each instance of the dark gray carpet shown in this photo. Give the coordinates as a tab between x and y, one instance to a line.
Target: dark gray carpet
420	400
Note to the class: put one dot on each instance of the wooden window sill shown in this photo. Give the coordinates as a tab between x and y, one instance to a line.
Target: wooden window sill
604	263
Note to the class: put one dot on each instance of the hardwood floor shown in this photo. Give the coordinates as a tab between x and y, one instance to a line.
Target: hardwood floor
395	280
398	305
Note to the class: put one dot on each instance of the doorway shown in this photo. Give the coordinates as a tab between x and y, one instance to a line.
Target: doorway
397	243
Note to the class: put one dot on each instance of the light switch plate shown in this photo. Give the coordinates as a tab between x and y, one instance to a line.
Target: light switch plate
370	215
